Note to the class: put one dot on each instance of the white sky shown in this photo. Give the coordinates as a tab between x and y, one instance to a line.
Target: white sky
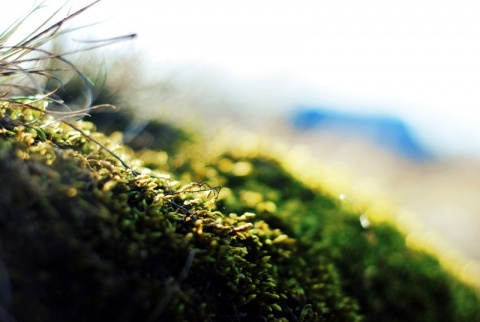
416	59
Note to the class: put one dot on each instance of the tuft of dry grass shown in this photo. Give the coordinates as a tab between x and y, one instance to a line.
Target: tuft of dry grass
26	67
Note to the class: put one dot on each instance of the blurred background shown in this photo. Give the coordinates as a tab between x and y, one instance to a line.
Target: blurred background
385	92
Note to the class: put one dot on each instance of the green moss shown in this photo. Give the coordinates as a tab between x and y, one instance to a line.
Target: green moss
84	239
390	281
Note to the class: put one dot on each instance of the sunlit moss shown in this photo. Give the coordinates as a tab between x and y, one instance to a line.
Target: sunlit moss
84	238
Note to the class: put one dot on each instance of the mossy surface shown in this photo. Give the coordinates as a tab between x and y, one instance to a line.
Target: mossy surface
84	239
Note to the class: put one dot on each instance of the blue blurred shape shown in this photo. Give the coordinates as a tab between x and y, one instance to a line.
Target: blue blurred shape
387	132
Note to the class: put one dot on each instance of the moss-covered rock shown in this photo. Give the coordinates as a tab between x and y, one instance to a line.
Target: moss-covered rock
82	238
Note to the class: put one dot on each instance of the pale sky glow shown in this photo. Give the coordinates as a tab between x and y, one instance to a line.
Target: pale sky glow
416	59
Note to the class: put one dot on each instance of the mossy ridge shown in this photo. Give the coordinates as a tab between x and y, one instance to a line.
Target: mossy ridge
93	230
390	281
368	259
110	231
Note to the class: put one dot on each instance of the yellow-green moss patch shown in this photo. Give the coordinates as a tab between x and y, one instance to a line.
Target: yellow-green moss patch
84	239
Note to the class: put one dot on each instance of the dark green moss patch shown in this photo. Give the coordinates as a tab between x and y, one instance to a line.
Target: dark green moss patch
84	239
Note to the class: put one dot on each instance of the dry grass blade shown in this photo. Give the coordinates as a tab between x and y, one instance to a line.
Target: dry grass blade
39	38
15	69
15	26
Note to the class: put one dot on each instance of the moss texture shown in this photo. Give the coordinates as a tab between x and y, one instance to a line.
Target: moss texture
84	239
